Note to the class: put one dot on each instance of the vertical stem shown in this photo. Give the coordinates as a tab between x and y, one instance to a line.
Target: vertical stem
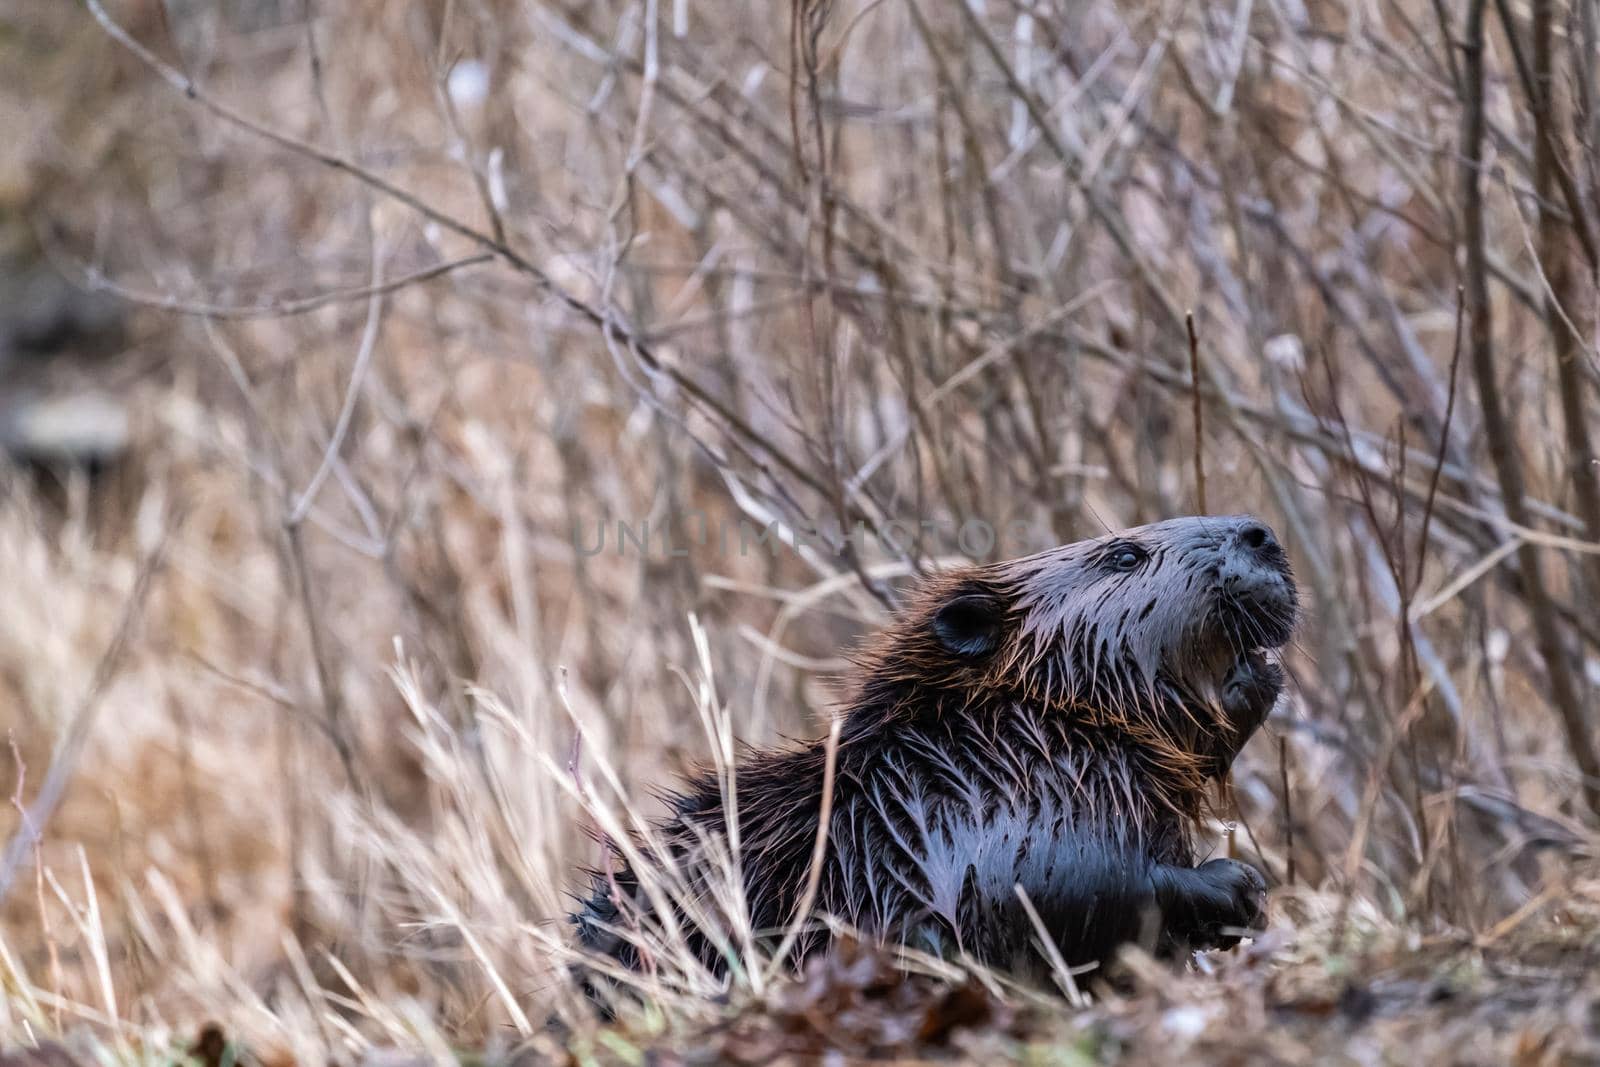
1562	298
1288	810
1199	439
332	703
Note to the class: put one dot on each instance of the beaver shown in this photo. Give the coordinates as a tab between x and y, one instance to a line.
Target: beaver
1052	723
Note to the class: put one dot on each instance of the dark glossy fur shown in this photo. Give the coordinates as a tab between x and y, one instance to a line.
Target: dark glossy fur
1051	722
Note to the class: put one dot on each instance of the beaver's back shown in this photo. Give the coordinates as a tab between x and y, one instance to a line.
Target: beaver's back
933	826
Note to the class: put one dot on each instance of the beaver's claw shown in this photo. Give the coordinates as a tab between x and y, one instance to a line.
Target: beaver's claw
1212	905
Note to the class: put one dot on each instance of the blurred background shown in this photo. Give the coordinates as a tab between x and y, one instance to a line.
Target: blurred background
337	337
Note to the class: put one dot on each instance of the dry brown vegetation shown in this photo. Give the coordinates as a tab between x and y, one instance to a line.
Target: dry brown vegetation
422	292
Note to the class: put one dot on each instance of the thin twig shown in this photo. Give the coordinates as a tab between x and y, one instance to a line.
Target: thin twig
280	308
1288	810
1199	434
1052	952
819	848
1444	439
358	376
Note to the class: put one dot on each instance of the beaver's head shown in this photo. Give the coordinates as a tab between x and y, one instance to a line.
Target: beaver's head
1161	632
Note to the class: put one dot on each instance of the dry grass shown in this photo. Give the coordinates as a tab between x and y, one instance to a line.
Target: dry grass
426	291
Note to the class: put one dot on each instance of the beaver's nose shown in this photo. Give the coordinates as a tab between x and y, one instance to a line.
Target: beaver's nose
1257	538
1254	576
1252	558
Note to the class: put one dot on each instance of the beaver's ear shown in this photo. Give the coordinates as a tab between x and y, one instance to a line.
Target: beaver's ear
969	625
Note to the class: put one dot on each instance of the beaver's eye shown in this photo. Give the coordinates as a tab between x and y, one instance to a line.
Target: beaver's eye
1126	558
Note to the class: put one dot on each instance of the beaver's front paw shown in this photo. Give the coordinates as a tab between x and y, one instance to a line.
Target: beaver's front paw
1210	905
1249	692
